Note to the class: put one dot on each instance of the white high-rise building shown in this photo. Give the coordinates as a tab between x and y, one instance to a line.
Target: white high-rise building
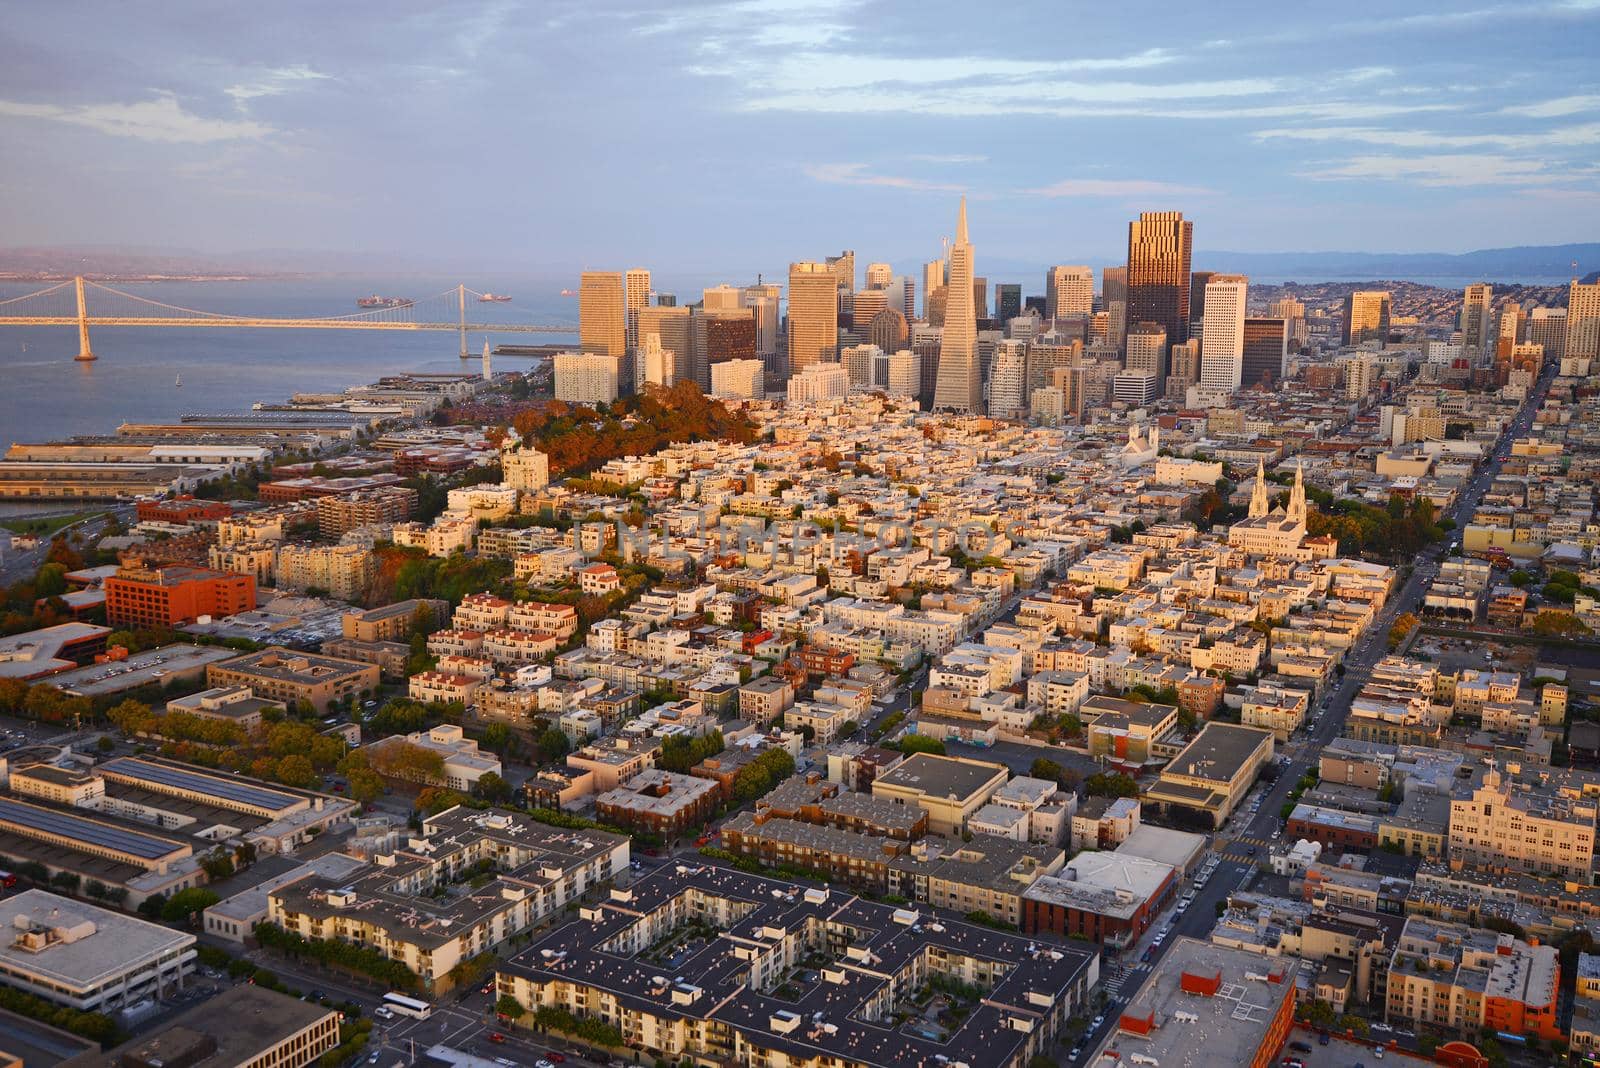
636	288
1147	351
523	467
1048	405
1293	312
959	387
1008	380
818	382
879	275
763	302
1583	322
860	364
658	364
1360	375
586	377
1068	291
1222	332
673	326
905	374
813	315
1475	336
737	380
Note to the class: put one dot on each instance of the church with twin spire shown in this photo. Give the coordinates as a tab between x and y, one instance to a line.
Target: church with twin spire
1278	532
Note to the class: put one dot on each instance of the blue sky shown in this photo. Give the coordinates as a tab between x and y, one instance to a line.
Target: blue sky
736	136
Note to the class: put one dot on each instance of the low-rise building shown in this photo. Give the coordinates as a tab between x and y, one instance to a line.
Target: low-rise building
949	789
289	676
88	958
664	802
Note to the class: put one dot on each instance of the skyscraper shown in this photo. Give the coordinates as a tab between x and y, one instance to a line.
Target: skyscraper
1475	304
889	330
1147	351
671	324
903	295
932	279
1008	380
1293	312
763	301
1114	302
720	298
844	269
1266	350
868	303
1198	281
959	388
879	275
813	315
602	322
636	286
980	297
1509	330
1222	332
1366	316
730	335
1068	291
1583	321
1159	247
1007	301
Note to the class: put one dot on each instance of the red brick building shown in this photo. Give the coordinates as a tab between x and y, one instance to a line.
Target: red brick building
183	509
174	595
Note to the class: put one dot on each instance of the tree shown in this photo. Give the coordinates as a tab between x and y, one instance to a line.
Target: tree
921	743
492	787
1116	784
509	1007
51	581
554	744
184	905
496	737
217	865
434	800
296	770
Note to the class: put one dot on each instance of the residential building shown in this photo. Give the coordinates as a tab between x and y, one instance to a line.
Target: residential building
290	676
1467	980
1222	332
949	789
586	377
173	595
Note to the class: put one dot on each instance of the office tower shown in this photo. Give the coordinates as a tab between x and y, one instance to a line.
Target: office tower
671	324
1198	281
636	295
1366	316
1007	301
925	343
738	380
843	267
879	275
905	374
1548	327
1134	387
1159	247
730	335
903	296
980	297
1360	374
656	363
889	330
1068	291
959	388
1183	368
1583	322
935	303
763	301
602	322
1147	351
860	363
1047	406
1008	381
1114	302
1045	358
813	315
1293	312
586	377
868	303
1475	306
1222	332
1508	331
667	300
818	382
721	298
933	278
1266	351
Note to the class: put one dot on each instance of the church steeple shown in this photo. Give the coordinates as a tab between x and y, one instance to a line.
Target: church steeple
1297	496
1258	498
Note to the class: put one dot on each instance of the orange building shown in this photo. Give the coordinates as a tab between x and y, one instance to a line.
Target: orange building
175	594
183	509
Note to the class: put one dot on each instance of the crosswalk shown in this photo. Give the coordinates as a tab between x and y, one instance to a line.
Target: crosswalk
1249	840
1125	978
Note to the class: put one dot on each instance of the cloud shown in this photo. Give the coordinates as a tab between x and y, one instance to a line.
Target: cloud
1551	109
1560	137
1109	187
861	174
274	82
1441	170
952	158
161	119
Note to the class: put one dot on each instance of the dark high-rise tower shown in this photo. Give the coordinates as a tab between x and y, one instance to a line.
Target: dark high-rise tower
1197	300
1159	247
1007	301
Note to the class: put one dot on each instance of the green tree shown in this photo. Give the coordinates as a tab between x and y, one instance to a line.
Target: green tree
921	743
553	745
184	905
492	787
51	581
1116	784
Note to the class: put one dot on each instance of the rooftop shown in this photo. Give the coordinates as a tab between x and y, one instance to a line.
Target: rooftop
233	1028
83	945
941	776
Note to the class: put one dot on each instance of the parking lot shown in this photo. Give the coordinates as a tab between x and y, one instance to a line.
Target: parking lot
1342	1053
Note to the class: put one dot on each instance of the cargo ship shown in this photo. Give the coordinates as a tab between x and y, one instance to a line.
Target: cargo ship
493	298
376	301
569	292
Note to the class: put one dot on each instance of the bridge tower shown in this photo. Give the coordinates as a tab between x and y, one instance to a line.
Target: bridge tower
85	354
461	304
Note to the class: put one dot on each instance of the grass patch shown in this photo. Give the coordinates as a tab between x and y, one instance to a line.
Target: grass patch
44	526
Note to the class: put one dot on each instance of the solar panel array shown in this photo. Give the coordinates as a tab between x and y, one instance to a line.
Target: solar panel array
242	793
91	832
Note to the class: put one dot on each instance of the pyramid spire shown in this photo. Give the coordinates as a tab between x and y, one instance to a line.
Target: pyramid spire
961	224
1297	496
1258	497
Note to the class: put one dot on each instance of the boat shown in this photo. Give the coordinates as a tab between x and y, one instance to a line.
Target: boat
376	301
493	298
179	382
569	292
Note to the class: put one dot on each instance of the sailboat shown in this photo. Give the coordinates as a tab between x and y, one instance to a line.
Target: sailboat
179	382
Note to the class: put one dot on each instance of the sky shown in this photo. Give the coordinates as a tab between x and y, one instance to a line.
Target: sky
738	136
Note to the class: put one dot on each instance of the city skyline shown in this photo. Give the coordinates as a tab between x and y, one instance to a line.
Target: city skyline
831	124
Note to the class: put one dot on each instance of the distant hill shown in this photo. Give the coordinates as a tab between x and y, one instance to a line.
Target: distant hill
1529	261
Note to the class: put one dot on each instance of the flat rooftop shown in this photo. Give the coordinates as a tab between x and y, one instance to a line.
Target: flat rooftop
92	832
153	667
1219	752
940	776
164	777
117	943
244	1022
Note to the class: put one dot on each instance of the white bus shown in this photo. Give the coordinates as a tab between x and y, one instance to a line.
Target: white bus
405	1006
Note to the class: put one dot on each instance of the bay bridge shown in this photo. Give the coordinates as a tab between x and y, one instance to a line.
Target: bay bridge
68	303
